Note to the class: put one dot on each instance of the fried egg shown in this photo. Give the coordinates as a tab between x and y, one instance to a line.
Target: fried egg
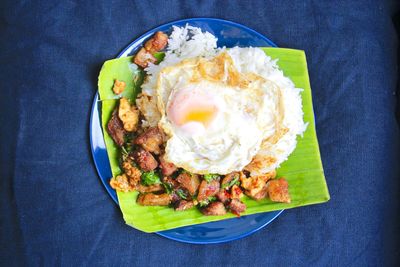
215	117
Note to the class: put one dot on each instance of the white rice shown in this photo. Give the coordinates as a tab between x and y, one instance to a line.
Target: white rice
255	60
185	42
188	42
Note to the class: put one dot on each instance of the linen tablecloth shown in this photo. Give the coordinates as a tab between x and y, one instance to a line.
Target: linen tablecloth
55	212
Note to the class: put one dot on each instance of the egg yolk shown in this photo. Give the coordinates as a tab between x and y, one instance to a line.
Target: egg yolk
192	107
203	115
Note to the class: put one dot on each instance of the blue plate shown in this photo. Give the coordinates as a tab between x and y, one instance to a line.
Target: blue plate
229	34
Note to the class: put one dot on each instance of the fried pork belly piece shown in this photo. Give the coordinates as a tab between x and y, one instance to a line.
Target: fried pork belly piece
115	128
150	188
207	190
119	87
122	183
183	205
188	181
143	58
214	208
236	192
151	140
157	43
255	185
224	196
278	190
236	206
261	194
150	199
146	160
167	168
128	114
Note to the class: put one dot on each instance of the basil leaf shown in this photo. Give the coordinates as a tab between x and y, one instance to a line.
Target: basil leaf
181	193
207	201
232	182
167	187
149	178
209	177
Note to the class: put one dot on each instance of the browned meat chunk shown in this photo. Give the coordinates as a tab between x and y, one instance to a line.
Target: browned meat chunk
116	129
145	160
278	190
150	199
189	181
151	140
214	208
150	188
207	190
183	205
157	43
143	57
236	206
260	194
254	185
230	179
236	192
223	196
166	167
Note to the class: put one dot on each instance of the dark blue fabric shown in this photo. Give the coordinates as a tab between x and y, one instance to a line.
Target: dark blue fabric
55	212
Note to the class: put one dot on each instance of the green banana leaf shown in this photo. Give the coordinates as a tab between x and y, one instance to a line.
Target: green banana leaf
303	169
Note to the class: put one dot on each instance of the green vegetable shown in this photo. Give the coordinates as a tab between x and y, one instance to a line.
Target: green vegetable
210	177
128	139
159	56
168	187
124	153
122	69
149	178
181	194
126	149
232	182
207	201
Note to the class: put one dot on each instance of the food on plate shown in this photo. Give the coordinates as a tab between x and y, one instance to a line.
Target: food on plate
210	126
128	114
119	87
115	128
151	199
146	53
214	208
278	190
151	140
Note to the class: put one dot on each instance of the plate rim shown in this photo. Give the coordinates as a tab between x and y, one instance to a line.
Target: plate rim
131	47
226	240
144	35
